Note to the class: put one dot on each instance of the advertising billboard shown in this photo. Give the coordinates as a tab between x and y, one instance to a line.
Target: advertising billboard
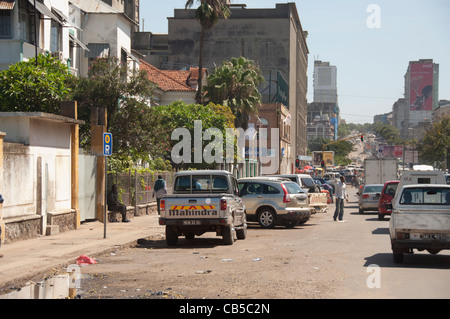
328	157
421	87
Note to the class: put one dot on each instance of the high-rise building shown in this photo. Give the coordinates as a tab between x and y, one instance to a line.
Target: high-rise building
273	38
421	93
325	83
325	102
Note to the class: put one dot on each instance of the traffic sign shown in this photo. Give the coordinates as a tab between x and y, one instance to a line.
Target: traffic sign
107	144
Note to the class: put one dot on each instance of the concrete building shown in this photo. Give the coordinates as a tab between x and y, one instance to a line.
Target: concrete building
273	38
74	31
321	127
274	116
421	94
154	48
39	157
325	102
325	83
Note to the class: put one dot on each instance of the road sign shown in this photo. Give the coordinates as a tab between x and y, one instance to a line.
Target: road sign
107	144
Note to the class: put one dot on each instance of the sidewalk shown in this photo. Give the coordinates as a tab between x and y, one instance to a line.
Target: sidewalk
25	259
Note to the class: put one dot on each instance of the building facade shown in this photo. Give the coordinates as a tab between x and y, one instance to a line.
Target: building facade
273	38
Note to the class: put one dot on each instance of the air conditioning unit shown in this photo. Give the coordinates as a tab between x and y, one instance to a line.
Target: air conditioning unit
58	54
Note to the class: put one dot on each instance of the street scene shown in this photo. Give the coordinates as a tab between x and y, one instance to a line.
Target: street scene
215	150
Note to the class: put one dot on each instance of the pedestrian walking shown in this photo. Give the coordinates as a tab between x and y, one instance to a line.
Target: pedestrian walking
115	205
159	190
341	194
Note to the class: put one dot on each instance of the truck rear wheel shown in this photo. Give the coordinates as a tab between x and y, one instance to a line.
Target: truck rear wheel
171	236
228	234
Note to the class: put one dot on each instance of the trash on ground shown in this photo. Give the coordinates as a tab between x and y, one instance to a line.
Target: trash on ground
85	260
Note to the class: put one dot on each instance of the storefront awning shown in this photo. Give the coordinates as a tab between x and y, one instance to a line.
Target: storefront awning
45	11
81	44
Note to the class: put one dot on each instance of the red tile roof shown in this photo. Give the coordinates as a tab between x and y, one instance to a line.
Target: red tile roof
168	80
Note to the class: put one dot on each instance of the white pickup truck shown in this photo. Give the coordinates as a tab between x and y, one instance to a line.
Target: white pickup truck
203	201
420	219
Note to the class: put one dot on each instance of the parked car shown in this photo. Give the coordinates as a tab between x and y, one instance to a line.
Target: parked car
305	181
420	219
447	178
387	194
272	201
203	201
369	196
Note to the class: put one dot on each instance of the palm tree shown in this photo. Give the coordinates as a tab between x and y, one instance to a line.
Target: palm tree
235	84
208	13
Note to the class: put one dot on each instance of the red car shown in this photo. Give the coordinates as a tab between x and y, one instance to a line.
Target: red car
387	194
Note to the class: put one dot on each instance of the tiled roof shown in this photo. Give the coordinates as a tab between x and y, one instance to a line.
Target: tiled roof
168	80
7	4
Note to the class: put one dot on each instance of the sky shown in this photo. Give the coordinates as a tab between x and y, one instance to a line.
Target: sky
370	42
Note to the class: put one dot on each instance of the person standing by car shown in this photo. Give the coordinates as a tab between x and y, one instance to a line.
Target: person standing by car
159	190
341	194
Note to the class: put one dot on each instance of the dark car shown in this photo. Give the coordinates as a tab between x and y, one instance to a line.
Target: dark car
387	194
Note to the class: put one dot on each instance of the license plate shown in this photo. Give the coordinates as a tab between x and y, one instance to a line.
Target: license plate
191	222
435	236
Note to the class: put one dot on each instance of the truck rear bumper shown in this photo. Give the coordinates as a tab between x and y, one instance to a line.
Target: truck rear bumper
194	222
420	244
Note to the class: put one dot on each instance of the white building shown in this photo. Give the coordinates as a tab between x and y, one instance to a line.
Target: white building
75	31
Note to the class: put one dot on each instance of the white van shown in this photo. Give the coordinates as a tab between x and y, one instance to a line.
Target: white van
421	177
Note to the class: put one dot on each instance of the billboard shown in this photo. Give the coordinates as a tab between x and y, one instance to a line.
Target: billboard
328	157
421	87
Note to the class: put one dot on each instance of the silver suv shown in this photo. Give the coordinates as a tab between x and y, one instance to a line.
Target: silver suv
272	201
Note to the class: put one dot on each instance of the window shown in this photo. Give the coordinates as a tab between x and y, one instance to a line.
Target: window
429	196
201	183
5	24
55	37
26	22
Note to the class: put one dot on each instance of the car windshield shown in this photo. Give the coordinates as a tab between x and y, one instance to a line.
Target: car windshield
373	189
425	195
308	182
293	188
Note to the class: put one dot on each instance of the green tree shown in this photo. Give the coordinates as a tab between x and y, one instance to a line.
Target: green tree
235	84
435	145
208	13
27	87
182	115
136	129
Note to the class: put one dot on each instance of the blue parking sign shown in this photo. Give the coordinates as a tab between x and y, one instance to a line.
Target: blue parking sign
107	144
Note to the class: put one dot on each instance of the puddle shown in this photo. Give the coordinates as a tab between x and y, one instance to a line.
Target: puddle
61	286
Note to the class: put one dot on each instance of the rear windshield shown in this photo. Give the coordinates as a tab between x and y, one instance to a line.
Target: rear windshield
308	182
425	195
373	189
201	183
390	189
293	188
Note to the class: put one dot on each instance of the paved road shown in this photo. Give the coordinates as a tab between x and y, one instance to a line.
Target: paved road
321	259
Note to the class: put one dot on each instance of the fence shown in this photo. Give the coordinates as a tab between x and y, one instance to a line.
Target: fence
137	188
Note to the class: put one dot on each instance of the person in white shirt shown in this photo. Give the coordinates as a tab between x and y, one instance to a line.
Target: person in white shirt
341	194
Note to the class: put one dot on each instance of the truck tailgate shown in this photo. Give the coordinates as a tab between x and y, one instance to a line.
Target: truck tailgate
436	220
187	206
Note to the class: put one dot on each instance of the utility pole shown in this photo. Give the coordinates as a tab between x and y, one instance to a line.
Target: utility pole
334	142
